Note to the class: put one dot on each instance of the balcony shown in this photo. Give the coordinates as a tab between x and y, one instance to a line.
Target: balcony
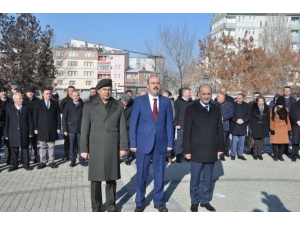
230	25
295	38
295	26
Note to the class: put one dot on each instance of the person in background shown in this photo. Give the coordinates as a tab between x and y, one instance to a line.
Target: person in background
295	121
129	92
273	102
143	92
255	95
228	98
280	128
93	93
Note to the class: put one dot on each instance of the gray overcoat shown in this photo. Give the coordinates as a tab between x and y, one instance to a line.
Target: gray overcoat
103	135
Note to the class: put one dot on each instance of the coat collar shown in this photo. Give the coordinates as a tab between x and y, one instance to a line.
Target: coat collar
201	108
100	107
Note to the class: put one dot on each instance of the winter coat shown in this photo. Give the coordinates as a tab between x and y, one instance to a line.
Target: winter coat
281	129
260	122
226	112
240	111
294	117
291	101
103	135
18	126
72	117
203	133
3	105
63	102
47	121
31	103
180	106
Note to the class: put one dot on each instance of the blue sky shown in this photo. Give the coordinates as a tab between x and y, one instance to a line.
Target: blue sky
121	30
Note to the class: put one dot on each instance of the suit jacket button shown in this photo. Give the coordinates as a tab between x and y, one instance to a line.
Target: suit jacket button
112	142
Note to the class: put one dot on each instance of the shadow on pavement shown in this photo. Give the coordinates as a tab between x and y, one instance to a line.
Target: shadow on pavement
273	202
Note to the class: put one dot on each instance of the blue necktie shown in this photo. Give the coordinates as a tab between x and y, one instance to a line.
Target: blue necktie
206	106
48	104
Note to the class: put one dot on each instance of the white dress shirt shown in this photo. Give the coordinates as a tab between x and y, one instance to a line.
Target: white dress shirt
152	101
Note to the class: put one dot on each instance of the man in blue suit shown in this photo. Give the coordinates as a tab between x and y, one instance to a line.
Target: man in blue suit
151	136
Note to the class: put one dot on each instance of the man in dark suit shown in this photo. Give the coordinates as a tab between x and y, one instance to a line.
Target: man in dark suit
151	136
203	142
66	137
18	129
295	122
71	120
47	125
103	141
289	100
30	100
4	101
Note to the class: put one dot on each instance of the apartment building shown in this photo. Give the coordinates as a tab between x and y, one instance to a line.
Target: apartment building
255	23
83	65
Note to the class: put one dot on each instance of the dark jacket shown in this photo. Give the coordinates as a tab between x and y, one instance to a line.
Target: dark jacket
3	110
64	102
18	126
240	111
260	122
294	117
47	122
30	104
273	102
180	106
127	112
226	112
290	102
203	133
72	116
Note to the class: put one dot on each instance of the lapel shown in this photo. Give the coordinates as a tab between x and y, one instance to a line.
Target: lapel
161	104
147	105
112	108
24	108
45	106
99	106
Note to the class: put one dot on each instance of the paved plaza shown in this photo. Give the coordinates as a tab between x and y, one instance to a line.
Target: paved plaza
240	186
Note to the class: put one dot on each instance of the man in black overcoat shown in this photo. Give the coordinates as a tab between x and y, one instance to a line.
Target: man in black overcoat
47	125
30	100
203	142
295	122
4	101
18	129
72	116
66	137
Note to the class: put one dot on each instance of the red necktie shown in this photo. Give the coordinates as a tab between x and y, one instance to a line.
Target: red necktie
155	113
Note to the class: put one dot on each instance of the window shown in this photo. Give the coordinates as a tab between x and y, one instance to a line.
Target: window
119	66
249	31
117	76
103	67
88	73
243	20
59	82
72	63
250	19
146	75
58	53
116	66
73	54
253	31
243	31
239	19
88	54
266	23
88	64
60	73
253	19
72	82
132	75
260	23
88	83
259	36
239	30
59	63
73	73
102	76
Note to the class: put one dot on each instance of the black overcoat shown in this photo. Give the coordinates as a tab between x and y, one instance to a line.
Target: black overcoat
294	117
240	111
18	126
31	103
47	122
260	122
103	135
203	133
72	117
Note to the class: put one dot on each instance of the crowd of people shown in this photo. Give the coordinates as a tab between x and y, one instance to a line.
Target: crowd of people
151	128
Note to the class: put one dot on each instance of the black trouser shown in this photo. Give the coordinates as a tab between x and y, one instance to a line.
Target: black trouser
34	150
226	142
295	151
258	146
286	147
278	150
6	147
15	156
66	145
96	195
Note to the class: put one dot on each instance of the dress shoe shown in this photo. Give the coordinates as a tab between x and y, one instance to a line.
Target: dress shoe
35	161
242	157
227	155
27	168
169	160
161	208
41	166
280	158
232	157
8	163
275	159
178	158
65	158
194	207
260	157
222	158
294	159
51	165
128	163
255	157
139	209
208	207
83	164
71	165
12	169
287	153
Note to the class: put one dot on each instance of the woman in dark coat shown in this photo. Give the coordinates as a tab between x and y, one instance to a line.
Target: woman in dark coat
259	125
